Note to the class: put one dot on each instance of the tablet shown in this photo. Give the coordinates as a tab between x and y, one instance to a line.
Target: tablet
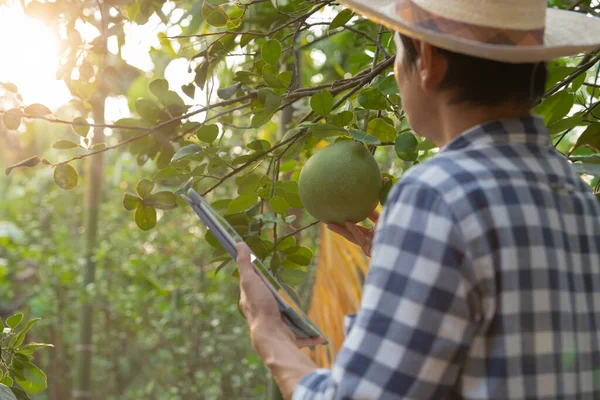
291	313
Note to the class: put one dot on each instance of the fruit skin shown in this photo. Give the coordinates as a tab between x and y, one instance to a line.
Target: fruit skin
340	182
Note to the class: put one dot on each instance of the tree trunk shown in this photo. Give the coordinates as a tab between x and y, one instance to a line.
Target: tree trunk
83	386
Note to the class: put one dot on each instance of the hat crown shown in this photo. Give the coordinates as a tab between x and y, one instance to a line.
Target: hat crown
507	14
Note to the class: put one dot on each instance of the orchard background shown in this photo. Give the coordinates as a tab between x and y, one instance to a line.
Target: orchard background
109	108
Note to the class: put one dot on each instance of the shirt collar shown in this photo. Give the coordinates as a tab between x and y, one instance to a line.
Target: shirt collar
524	130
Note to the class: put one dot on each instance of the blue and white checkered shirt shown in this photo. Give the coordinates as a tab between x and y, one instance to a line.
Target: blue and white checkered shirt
484	281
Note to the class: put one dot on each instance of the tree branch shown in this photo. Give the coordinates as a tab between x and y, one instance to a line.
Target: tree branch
580	70
367	78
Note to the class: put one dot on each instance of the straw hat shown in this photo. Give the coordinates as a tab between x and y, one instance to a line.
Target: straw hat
513	31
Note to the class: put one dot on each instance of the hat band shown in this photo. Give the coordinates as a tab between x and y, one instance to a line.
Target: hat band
419	17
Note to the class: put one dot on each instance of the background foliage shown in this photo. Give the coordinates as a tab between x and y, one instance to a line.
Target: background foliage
270	82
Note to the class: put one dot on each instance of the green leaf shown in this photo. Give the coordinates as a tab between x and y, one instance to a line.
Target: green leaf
406	146
272	80
285	78
217	17
426	145
595	158
185	151
131	202
199	170
342	118
293	200
249	184
20	393
18	340
201	75
147	109
381	129
29	348
5	392
30	162
227	92
259	145
145	217
189	90
587	168
208	133
37	110
294	276
279	205
159	87
271	51
556	106
81	130
144	188
327	130
164	200
565	124
288	166
166	173
364	137
388	85
65	176
286	243
11	87
12	119
290	186
302	256
98	146
343	16
270	99
64	145
261	117
322	103
242	203
234	23
590	137
35	380
269	218
14	320
372	99
385	189
578	82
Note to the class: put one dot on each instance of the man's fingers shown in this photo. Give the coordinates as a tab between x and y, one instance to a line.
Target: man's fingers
374	216
359	236
309	342
244	264
340	230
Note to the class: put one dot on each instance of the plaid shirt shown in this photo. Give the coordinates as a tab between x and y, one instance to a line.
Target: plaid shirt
484	281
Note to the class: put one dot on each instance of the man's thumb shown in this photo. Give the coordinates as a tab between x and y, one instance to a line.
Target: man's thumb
243	258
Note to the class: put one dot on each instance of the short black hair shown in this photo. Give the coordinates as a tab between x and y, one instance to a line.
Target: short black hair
485	82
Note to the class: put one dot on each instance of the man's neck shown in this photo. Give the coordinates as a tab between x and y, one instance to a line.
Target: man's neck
454	119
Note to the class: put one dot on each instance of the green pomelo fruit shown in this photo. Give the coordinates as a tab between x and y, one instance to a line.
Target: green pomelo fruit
340	182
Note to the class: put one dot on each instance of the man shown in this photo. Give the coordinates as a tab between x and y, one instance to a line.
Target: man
485	274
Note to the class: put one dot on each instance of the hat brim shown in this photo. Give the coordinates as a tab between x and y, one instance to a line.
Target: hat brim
567	33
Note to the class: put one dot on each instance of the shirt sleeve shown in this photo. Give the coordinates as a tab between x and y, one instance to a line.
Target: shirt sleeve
416	318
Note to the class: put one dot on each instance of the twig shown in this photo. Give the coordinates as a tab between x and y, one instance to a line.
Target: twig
282	238
377	43
73	123
156	128
575	5
580	70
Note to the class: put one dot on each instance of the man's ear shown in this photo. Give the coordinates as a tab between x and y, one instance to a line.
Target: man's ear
431	66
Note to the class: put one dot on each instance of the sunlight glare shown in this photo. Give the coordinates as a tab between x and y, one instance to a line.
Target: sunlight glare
30	58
